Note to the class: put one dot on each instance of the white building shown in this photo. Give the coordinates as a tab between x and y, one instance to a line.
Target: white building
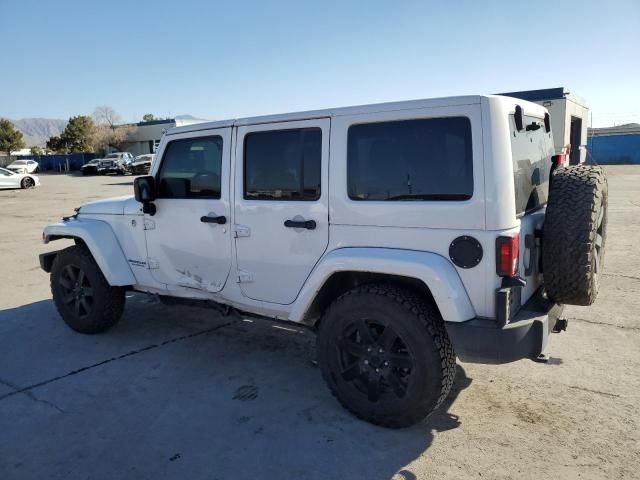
569	116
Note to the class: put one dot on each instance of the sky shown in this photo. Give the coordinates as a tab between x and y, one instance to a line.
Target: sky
219	60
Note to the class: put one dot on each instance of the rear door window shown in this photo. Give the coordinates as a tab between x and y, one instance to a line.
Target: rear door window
531	152
283	164
424	159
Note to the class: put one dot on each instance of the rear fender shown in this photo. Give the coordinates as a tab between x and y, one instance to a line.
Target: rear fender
99	238
436	272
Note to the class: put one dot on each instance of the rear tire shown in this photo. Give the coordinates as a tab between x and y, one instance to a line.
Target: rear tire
84	299
27	182
385	355
574	232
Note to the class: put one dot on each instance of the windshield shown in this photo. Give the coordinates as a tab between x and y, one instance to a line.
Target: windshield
113	155
19	162
4	171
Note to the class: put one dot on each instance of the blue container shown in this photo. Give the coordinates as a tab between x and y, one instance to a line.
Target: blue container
614	149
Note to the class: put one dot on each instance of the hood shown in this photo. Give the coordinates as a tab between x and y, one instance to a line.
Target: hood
110	206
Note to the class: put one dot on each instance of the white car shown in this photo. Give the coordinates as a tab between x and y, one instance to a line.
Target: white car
405	234
9	179
24	166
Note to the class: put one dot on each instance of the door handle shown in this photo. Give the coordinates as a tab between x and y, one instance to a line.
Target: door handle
308	224
221	220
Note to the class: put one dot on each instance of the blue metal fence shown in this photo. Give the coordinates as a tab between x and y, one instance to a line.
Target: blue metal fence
59	162
614	149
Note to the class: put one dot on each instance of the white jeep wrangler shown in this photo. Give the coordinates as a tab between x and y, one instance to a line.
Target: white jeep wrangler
405	233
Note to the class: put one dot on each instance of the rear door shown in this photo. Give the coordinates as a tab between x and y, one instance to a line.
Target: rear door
281	206
188	239
531	152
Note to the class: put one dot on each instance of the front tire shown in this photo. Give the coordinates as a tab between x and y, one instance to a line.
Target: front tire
385	355
84	299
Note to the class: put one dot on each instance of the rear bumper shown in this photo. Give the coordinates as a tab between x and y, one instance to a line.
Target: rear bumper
482	340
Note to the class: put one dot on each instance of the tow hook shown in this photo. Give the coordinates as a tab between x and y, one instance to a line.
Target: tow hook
561	325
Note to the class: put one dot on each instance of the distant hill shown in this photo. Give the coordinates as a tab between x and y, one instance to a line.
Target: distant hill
37	131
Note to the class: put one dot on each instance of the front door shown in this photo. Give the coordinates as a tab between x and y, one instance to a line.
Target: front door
8	179
188	239
281	206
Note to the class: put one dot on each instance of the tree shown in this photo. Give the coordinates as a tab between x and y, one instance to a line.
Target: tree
10	137
109	131
55	144
35	150
148	117
105	115
78	136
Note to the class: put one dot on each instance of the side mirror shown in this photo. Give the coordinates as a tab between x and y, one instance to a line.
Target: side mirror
144	189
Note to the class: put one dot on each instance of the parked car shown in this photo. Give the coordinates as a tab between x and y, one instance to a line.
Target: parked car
91	167
141	164
116	162
403	233
24	166
9	179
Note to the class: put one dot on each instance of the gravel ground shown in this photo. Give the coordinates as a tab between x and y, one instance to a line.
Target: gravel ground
188	393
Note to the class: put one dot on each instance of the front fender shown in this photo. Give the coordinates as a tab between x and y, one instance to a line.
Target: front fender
435	271
102	243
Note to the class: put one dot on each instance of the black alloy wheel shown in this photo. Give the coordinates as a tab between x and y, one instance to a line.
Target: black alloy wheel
375	359
78	294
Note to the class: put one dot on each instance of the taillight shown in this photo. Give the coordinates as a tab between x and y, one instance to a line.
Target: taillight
507	256
559	160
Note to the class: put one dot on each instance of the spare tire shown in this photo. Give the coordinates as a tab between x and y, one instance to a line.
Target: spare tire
574	233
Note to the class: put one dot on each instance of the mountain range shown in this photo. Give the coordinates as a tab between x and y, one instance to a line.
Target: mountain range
36	131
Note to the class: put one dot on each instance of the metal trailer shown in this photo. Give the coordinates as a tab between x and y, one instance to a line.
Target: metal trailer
569	119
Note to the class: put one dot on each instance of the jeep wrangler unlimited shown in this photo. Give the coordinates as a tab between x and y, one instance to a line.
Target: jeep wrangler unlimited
404	233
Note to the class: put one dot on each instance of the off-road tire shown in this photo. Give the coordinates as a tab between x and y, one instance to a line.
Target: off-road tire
107	302
418	325
574	234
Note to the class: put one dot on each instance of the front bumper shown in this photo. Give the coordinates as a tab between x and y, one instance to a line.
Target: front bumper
482	340
106	171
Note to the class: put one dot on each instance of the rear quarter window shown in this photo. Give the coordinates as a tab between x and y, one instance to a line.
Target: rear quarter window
423	159
531	153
